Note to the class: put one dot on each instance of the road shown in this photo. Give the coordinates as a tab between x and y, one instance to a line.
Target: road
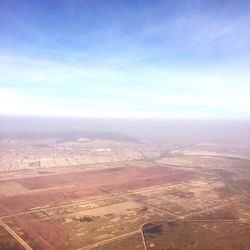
16	236
109	240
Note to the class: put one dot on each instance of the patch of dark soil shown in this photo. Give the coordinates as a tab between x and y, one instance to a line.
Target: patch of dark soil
171	224
87	218
154	229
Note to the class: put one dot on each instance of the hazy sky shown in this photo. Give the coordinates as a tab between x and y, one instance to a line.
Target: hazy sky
125	58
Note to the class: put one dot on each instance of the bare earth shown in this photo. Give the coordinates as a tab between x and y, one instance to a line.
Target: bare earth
93	194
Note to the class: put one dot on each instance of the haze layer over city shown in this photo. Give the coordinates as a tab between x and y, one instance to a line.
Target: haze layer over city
124	125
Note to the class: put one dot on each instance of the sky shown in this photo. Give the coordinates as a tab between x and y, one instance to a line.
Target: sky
92	58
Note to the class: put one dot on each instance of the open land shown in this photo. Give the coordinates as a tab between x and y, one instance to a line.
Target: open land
103	194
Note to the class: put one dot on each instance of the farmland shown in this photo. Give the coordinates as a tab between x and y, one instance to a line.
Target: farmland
175	198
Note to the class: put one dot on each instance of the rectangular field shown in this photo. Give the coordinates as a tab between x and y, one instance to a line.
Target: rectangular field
34	192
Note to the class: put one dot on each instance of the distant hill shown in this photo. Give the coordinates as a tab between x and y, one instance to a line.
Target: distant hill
67	135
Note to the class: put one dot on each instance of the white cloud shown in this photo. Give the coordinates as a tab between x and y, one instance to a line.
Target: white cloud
31	86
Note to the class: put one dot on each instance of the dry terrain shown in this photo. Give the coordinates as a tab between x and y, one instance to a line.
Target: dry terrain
97	194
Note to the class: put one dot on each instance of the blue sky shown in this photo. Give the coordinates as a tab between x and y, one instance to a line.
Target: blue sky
108	58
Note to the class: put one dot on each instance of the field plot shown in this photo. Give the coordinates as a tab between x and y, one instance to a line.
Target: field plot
185	198
42	208
194	235
175	235
78	226
60	188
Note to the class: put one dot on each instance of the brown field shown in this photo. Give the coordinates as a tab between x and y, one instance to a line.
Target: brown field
38	193
194	200
61	188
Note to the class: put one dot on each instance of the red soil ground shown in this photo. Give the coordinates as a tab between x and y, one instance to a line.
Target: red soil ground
72	187
40	234
87	184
